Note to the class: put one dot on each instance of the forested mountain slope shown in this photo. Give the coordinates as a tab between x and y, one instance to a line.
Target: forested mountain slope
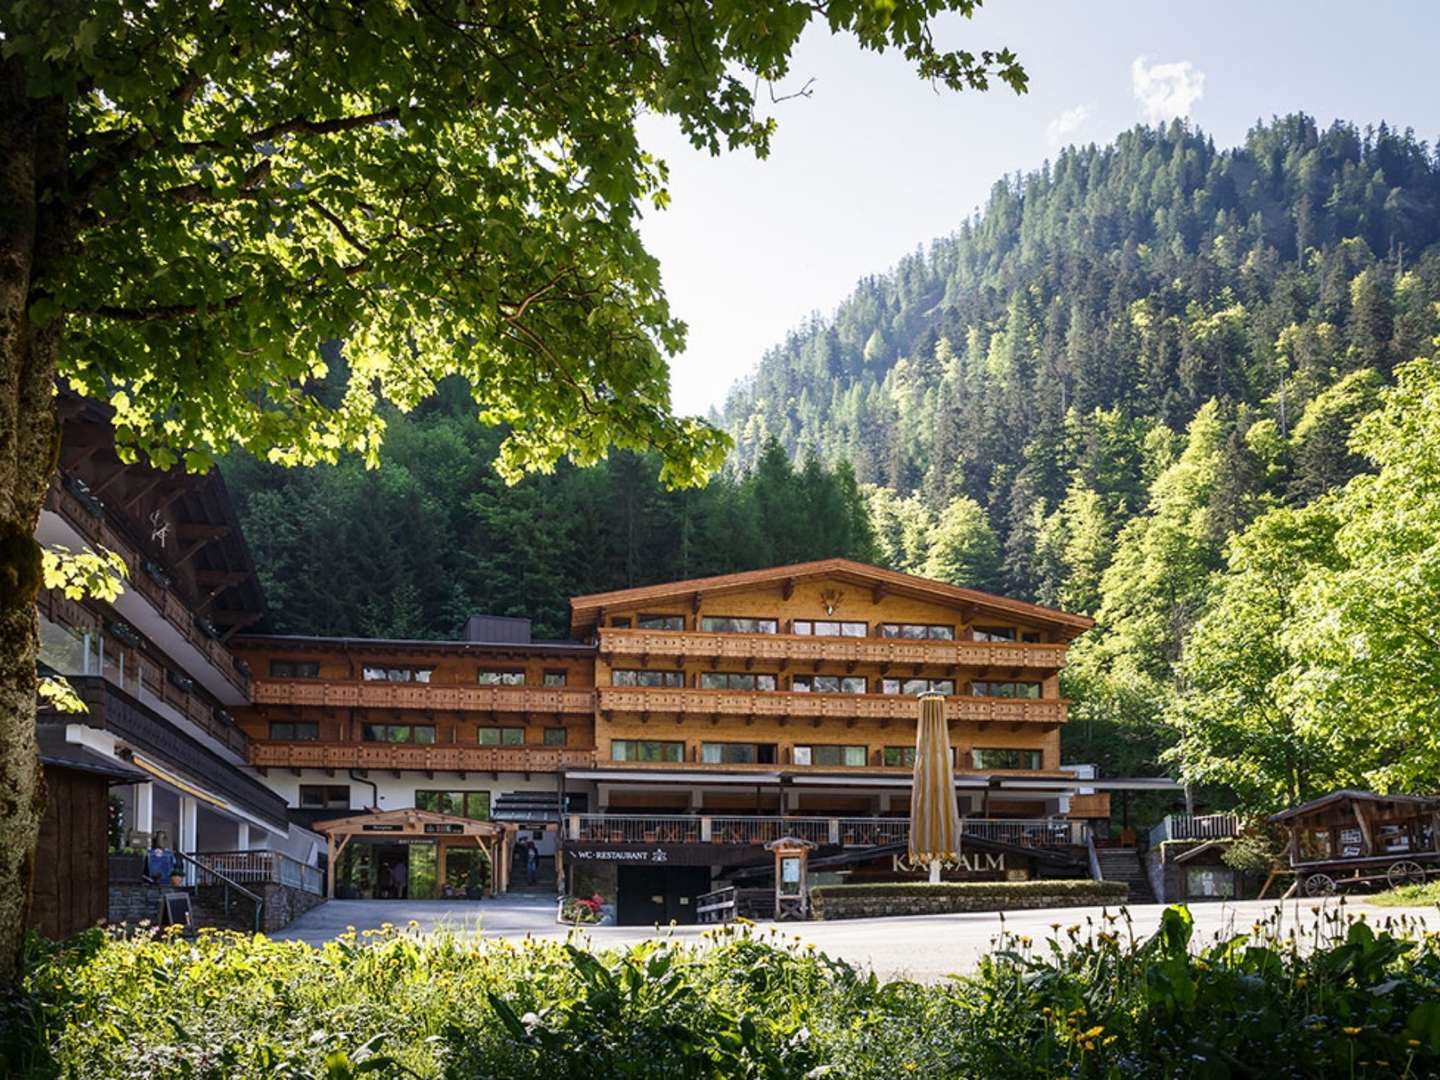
1045	354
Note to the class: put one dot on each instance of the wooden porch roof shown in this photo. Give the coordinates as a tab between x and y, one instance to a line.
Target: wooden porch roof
410	822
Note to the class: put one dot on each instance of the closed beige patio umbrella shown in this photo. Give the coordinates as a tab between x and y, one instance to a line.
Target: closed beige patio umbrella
934	820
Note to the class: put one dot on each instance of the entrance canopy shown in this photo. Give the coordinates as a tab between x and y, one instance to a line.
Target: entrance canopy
447	831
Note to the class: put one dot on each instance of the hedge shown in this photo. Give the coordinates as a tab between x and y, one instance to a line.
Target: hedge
998	890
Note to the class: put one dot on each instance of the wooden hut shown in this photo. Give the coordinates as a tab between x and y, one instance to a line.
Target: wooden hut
446	831
1358	838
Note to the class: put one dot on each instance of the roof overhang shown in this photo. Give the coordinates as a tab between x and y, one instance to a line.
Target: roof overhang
585	611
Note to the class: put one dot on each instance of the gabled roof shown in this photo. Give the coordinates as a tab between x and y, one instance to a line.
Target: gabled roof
585	610
1353	795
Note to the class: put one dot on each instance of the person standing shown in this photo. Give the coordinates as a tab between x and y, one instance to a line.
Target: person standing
532	862
399	878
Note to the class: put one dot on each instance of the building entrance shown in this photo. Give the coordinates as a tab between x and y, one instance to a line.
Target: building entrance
387	871
650	895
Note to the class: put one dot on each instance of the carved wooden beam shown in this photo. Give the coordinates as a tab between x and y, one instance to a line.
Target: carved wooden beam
877	594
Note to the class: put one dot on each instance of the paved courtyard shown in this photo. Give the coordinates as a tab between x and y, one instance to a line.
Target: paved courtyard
924	947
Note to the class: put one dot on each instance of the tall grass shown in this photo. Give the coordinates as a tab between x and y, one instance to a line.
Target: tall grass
1338	998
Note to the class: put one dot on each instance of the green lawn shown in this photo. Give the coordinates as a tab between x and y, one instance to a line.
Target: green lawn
1409	896
1333	999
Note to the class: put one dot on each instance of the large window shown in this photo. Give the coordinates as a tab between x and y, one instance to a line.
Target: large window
554	678
403	733
724	753
501	736
735	680
917	686
294	669
1005	689
903	757
989	758
829	755
994	633
471	804
377	673
500	678
828	684
646	750
631	677
555	736
325	796
829	628
725	624
917	631
293	730
660	622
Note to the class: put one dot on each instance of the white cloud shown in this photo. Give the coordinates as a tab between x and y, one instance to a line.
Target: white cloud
1166	91
1059	130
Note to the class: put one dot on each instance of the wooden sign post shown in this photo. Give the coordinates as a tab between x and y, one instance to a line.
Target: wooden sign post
792	885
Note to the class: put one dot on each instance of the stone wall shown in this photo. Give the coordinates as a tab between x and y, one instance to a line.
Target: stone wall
284	904
874	901
133	903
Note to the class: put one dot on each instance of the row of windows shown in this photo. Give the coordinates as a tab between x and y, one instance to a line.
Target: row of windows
727	624
306	731
470	804
715	753
310	669
820	684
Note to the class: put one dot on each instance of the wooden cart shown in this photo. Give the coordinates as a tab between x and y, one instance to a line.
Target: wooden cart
1360	840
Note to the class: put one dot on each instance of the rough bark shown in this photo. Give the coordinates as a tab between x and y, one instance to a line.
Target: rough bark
32	233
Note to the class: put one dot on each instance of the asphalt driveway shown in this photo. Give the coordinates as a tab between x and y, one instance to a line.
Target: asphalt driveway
922	947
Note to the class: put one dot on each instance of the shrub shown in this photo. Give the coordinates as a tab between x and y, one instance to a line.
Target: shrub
990	890
1340	999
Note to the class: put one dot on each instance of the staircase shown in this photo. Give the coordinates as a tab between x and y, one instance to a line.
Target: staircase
544	879
1123	864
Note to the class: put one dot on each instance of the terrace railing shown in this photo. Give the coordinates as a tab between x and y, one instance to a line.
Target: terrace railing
1195	827
850	832
274	867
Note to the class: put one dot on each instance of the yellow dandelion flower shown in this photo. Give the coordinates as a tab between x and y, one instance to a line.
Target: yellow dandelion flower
1351	1031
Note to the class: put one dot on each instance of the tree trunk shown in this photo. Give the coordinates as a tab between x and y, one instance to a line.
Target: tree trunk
32	142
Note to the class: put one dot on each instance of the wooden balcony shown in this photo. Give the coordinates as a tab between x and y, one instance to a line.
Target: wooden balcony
357	694
779	649
788	704
417	758
99	532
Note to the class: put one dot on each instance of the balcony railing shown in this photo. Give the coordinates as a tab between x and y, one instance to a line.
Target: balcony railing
803	648
264	866
785	703
848	832
96	530
440	757
359	694
1195	827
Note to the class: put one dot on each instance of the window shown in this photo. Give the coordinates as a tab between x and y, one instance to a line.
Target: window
1005	759
828	755
735	680
416	733
917	686
63	648
828	684
660	622
554	678
294	669
376	673
994	633
829	628
621	622
1031	637
325	796
624	677
501	736
903	757
501	678
724	624
293	730
646	750
1005	689
724	753
471	804
917	631
555	736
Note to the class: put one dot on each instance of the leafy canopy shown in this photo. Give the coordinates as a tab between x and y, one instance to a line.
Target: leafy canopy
444	188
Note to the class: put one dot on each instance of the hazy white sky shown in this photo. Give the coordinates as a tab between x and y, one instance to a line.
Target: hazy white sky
876	163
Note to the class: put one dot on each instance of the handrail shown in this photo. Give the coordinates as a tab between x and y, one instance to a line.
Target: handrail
229	884
717	906
1096	873
265	865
